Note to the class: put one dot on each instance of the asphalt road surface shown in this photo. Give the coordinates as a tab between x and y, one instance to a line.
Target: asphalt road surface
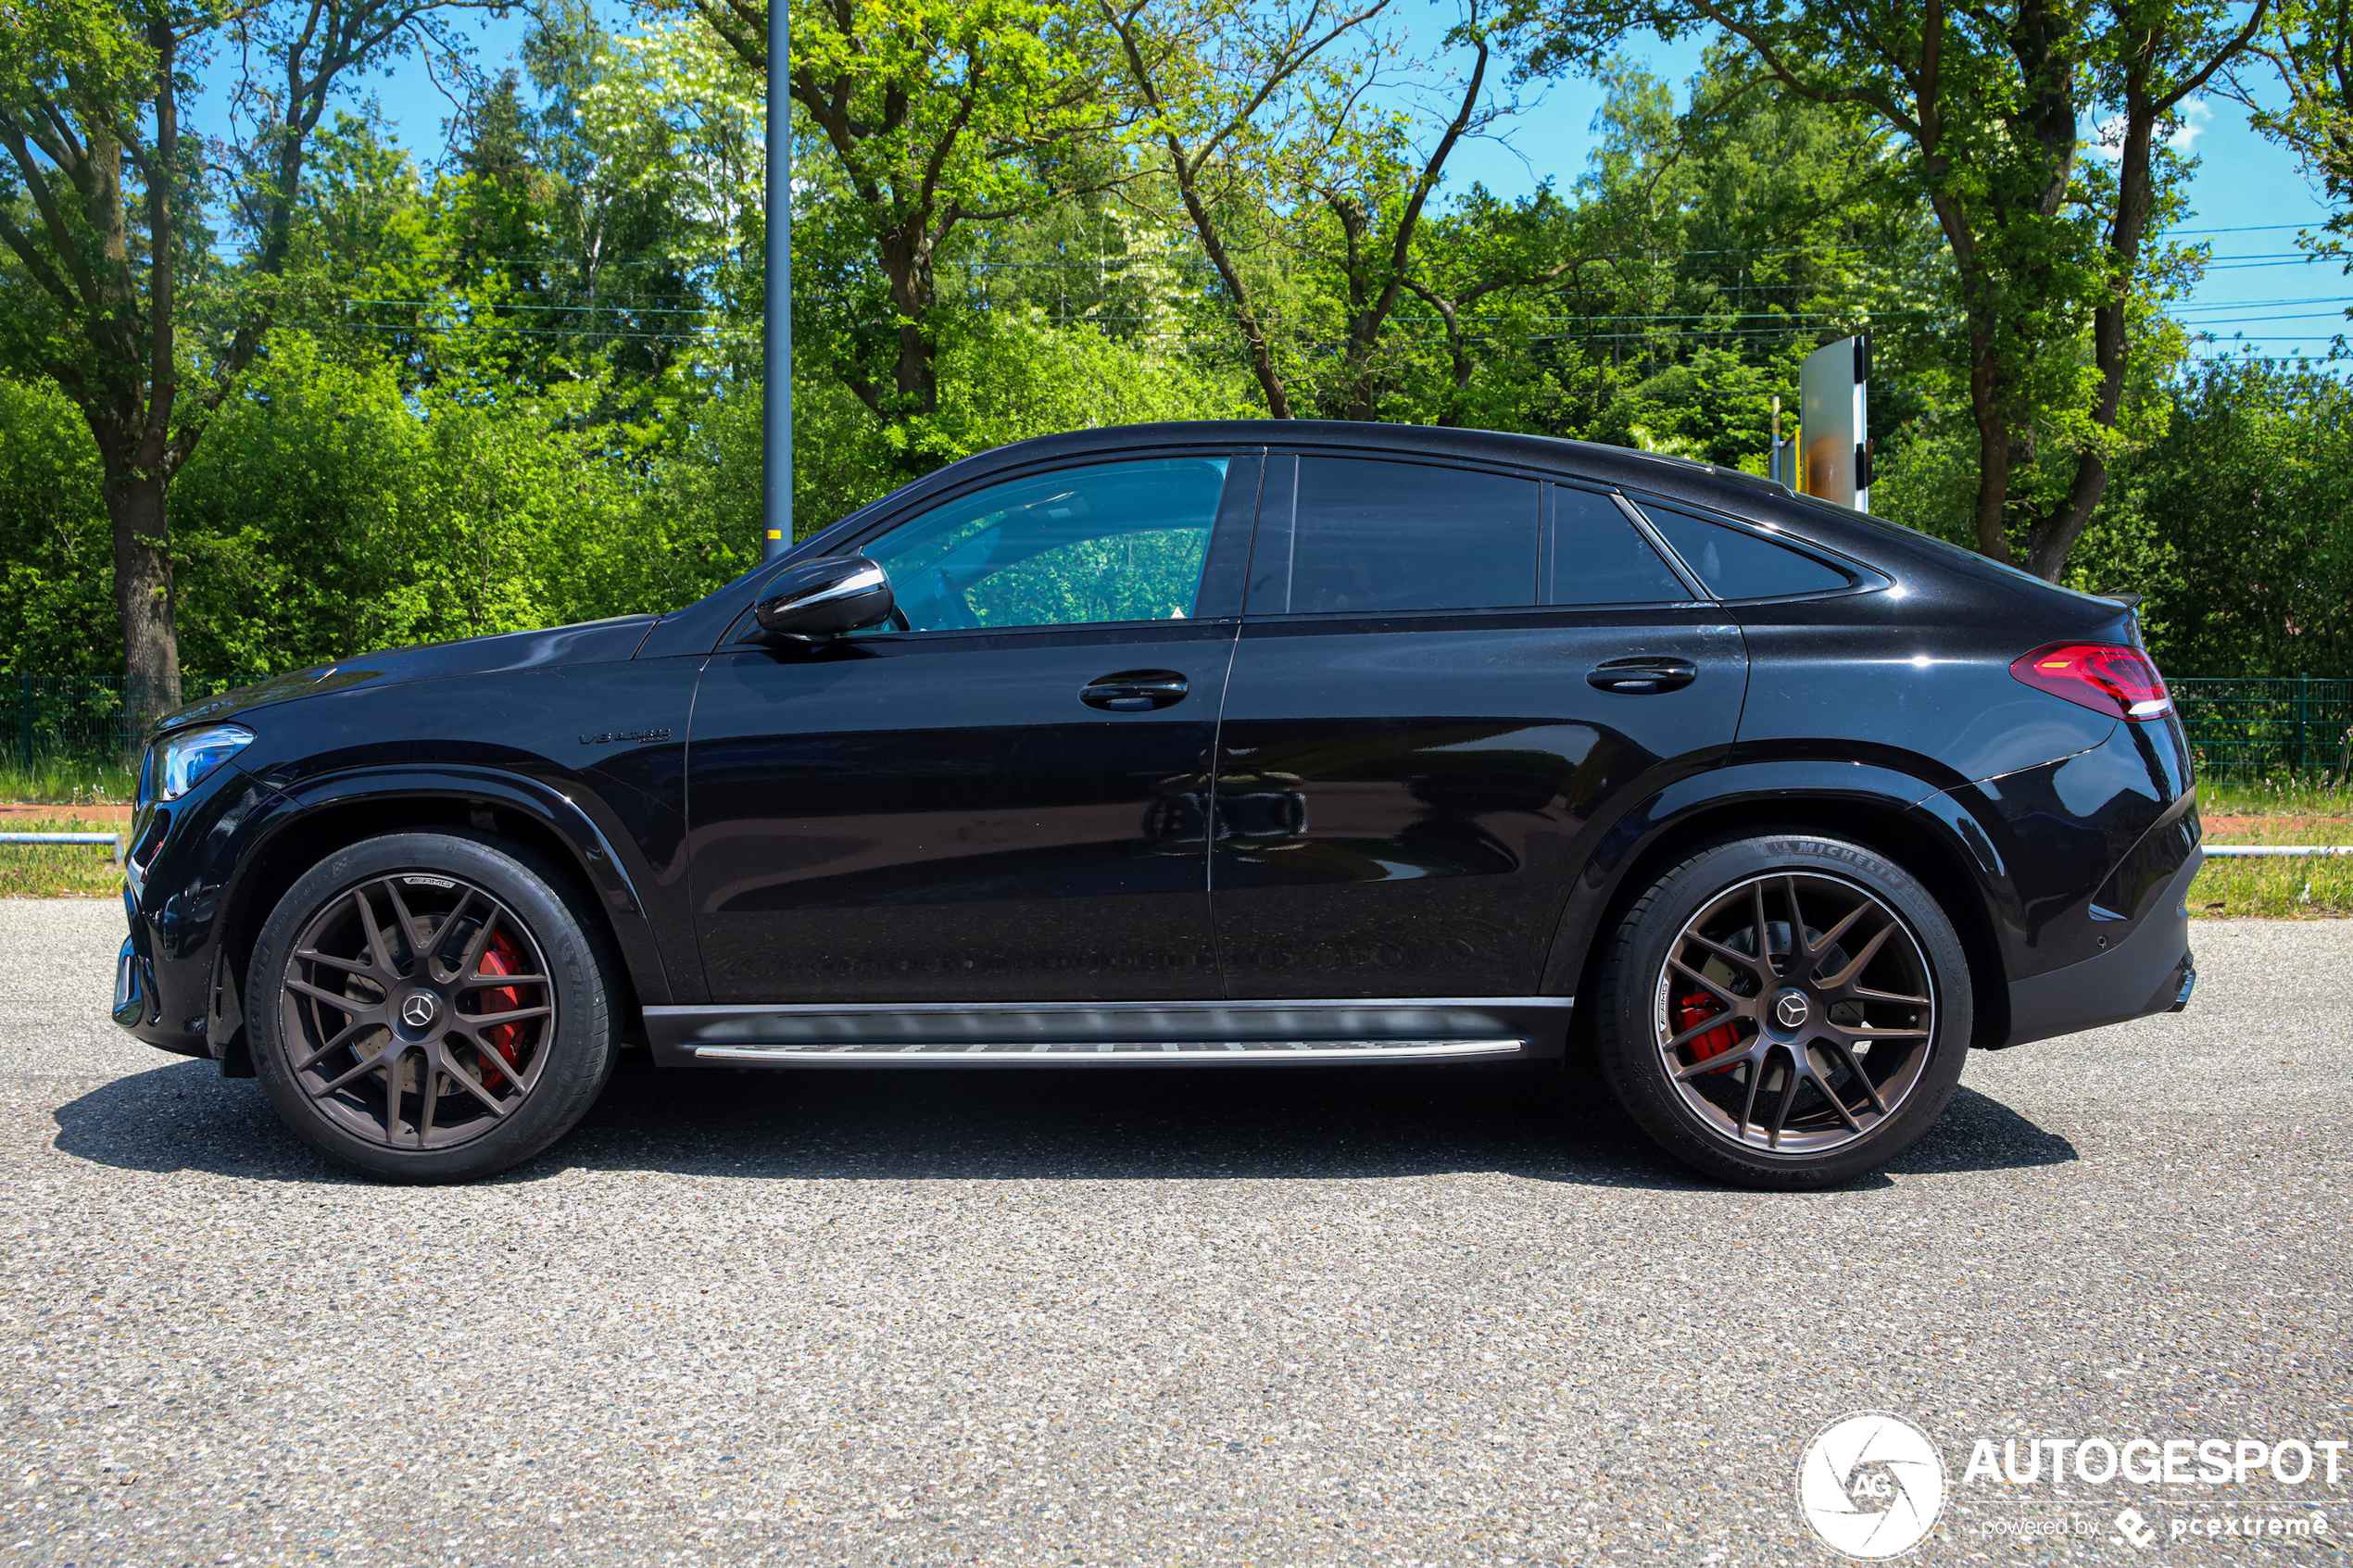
1402	1315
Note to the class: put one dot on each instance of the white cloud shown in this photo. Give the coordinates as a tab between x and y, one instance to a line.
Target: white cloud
2195	116
2106	138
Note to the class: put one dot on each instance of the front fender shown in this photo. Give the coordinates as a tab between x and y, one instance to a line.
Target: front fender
201	888
604	854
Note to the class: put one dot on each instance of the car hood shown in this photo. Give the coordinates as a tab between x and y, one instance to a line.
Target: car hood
590	642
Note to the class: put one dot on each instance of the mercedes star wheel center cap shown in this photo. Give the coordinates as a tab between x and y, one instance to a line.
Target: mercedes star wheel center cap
1791	1009
419	1011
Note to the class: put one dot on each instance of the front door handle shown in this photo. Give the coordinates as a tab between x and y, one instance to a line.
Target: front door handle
1135	691
1640	677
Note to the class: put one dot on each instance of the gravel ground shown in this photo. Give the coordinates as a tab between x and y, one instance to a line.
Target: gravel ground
1402	1315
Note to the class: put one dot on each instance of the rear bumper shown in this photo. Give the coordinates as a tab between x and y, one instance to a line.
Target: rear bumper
2149	971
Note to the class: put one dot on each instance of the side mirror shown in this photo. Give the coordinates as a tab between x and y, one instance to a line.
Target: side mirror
823	598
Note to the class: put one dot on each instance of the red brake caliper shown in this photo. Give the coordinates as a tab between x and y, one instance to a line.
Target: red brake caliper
1698	1007
501	957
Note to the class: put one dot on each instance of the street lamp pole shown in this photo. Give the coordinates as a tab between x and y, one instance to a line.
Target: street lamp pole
776	363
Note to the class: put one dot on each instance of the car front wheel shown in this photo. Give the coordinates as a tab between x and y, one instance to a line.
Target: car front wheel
424	1007
1785	1010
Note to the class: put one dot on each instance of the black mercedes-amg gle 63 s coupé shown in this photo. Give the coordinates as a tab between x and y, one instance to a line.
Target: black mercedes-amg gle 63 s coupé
1202	745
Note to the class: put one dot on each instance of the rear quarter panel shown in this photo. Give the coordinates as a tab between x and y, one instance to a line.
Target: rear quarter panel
1915	677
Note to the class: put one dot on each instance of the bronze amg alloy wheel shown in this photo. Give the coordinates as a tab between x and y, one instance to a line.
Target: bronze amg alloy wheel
424	1007
1785	1010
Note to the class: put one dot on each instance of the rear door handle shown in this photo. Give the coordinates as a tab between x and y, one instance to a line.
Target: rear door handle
1135	691
1640	677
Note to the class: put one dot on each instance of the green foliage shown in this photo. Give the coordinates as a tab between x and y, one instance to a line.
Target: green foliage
520	388
331	512
1006	376
2241	518
295	517
328	514
2055	265
57	597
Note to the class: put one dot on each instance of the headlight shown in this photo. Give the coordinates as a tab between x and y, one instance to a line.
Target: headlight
184	760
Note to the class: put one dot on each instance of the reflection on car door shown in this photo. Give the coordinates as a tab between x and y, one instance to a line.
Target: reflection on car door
1437	690
1000	796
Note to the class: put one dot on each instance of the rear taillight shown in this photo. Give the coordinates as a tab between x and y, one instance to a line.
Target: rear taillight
2104	677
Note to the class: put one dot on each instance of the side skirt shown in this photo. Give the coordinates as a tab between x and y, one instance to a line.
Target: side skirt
1172	1033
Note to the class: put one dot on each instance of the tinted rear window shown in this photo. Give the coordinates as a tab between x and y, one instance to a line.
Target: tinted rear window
1599	558
1375	536
1736	564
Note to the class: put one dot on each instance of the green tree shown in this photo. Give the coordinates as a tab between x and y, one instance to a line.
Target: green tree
2054	263
1716	237
111	285
57	615
2309	45
1370	195
929	116
2237	523
1241	99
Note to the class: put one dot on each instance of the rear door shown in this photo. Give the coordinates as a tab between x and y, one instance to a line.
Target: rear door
1003	795
1447	680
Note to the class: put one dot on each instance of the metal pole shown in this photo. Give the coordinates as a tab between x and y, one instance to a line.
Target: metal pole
777	365
2303	713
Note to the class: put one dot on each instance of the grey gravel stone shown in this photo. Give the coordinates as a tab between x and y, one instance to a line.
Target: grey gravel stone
1402	1315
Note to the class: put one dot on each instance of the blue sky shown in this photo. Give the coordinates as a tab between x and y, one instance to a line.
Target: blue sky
2247	197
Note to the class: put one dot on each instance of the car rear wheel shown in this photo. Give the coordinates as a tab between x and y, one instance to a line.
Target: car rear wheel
1785	1010
424	1007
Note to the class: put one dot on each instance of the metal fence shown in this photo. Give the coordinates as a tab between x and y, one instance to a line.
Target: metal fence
2240	729
2246	729
70	718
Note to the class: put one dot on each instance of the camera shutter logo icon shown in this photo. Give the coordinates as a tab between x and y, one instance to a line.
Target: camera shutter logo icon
1870	1484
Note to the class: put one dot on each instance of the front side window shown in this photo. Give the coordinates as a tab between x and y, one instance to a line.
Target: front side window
1109	542
1374	536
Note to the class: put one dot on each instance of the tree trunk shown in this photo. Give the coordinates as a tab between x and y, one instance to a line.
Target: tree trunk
142	596
912	390
1990	513
2047	546
1457	352
1261	358
906	260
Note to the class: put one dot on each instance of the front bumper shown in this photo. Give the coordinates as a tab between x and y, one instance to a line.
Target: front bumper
2150	970
134	986
169	974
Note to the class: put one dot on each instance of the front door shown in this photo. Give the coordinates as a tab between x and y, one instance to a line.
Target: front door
1416	749
1000	796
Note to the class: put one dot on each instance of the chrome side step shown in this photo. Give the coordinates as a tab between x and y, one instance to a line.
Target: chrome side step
1170	1033
1119	1053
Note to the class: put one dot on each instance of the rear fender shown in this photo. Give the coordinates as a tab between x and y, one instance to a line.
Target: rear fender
1897	813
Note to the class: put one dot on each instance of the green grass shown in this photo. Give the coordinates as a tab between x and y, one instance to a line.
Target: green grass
59	871
2284	811
2280	796
67	781
2279	888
